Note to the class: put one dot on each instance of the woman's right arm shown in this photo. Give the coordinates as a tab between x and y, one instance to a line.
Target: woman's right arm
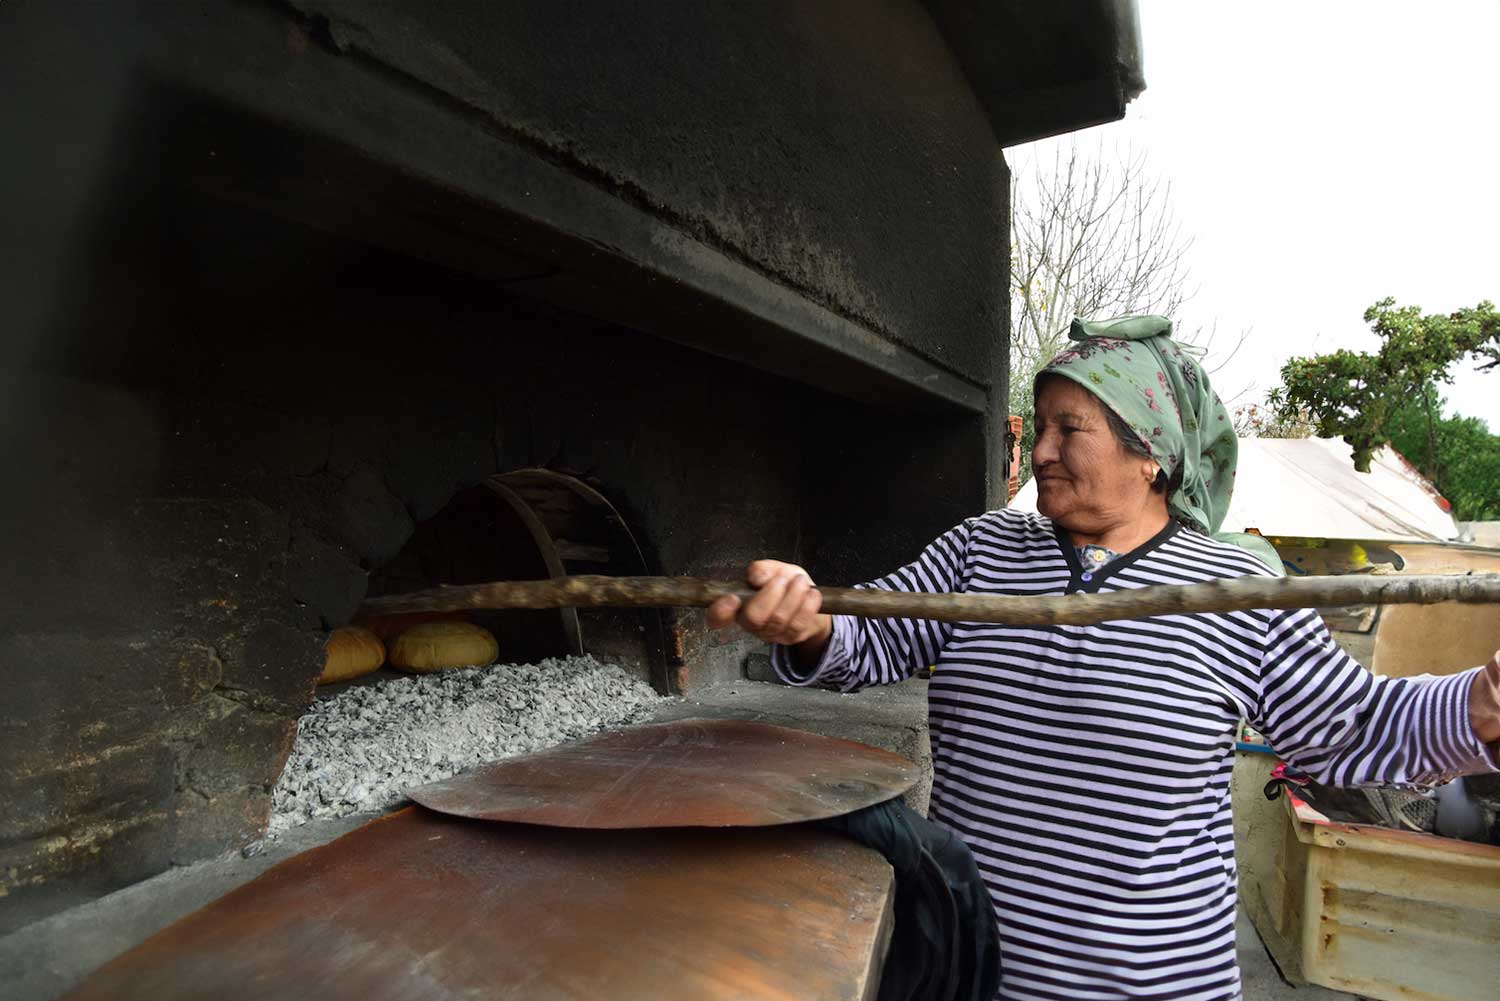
841	651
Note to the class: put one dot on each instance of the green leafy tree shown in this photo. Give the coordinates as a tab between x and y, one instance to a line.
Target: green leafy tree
1356	395
1459	455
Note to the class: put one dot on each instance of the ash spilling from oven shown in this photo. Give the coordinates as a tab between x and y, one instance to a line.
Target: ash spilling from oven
361	749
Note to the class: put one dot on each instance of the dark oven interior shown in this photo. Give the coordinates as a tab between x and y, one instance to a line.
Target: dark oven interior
255	407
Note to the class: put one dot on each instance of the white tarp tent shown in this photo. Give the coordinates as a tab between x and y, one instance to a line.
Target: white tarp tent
1308	488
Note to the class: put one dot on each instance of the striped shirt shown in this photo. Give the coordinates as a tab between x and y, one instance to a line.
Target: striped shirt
1088	767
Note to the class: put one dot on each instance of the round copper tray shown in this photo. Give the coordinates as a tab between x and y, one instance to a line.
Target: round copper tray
688	773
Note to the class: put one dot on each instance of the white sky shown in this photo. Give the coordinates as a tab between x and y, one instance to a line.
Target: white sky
1323	156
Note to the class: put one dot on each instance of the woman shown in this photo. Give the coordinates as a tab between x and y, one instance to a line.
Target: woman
1088	767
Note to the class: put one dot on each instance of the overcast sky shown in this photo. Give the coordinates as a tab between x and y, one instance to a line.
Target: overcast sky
1323	156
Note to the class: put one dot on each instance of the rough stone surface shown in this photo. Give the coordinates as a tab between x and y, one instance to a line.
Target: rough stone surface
362	748
321	577
751	164
1069	65
171	572
881	486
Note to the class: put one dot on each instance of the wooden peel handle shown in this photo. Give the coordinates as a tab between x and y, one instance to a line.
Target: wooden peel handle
1236	594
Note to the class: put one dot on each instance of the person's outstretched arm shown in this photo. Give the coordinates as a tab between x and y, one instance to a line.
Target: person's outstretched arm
841	651
1333	719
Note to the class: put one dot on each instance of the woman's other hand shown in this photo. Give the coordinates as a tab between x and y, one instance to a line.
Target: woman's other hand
785	608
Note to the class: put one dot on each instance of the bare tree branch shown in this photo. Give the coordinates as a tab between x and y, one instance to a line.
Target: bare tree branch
1078	609
1093	234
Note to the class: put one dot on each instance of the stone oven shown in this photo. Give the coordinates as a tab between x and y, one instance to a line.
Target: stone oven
282	281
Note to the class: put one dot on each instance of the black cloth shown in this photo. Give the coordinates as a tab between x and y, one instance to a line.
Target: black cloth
945	945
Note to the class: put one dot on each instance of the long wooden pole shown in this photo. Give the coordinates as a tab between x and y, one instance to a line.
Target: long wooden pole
1070	610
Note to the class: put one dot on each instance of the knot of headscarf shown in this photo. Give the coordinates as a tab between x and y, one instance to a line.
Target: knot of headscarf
1162	393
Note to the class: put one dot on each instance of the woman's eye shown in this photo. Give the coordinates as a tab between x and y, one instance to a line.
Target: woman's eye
1067	429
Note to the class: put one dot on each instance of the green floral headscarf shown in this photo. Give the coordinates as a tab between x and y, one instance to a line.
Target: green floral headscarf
1160	391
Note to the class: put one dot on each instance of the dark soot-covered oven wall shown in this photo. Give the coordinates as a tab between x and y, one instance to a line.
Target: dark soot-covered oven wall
248	439
229	390
254	415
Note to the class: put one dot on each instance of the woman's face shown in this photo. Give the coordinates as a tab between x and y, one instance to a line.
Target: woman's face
1086	480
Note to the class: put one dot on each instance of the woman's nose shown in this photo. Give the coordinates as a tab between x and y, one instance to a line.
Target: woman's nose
1044	449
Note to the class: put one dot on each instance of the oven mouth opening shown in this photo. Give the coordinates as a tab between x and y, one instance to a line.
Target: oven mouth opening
560	674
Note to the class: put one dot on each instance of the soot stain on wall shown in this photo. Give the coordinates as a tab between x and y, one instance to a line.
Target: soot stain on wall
241	421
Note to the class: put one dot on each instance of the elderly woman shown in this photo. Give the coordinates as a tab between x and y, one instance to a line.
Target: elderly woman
1088	767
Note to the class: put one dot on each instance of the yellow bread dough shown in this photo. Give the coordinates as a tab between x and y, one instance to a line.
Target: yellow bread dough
351	652
388	627
438	646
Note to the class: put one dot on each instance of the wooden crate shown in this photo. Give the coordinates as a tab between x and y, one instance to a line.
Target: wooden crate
1391	915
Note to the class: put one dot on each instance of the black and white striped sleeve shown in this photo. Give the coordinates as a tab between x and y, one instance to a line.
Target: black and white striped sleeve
864	651
1327	715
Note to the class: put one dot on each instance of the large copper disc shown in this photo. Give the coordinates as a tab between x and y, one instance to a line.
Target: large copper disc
688	773
422	907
